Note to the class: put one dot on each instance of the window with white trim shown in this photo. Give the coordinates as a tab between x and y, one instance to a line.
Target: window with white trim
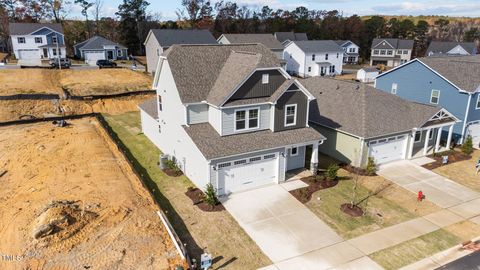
394	88
294	151
375	52
223	165
309	69
265	78
389	52
435	97
38	40
253	159
405	52
119	53
478	102
326	56
290	115
21	40
430	136
418	136
54	40
240	162
246	119
382	52
313	57
269	156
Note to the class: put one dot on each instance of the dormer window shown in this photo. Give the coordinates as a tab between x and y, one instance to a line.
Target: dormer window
290	115
246	119
265	78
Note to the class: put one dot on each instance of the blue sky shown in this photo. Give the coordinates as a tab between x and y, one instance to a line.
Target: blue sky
469	8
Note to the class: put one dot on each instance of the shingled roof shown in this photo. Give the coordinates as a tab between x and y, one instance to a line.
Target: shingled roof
292	36
395	42
436	47
150	107
97	43
318	46
28	28
268	40
169	37
362	110
209	72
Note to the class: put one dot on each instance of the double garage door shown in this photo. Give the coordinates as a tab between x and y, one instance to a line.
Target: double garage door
388	149
474	131
247	173
29	54
92	57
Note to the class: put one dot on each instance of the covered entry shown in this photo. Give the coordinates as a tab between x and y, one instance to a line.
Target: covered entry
248	173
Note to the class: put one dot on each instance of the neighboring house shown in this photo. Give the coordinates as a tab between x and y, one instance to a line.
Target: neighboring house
451	82
367	74
229	115
350	51
313	58
99	48
391	52
285	37
437	48
3	45
268	40
33	42
159	40
360	121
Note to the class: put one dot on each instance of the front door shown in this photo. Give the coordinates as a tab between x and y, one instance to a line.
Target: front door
45	52
109	55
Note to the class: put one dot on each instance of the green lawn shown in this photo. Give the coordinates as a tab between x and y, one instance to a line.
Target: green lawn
218	232
416	249
380	212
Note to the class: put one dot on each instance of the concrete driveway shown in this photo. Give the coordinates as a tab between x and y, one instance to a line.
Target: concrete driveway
280	225
439	190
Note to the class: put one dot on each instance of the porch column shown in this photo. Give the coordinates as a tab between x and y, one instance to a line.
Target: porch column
449	139
425	147
314	159
439	137
410	146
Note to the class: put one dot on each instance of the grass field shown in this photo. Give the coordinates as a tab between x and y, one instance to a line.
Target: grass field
218	232
77	82
462	172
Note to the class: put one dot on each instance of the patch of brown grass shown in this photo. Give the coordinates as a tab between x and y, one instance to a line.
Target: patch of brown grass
28	81
465	230
462	172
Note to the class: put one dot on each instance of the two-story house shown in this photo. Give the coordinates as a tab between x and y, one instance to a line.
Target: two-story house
268	40
311	58
439	48
452	82
229	115
391	52
99	48
350	51
159	40
32	42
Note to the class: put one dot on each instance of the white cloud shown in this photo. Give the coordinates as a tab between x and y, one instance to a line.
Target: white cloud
430	8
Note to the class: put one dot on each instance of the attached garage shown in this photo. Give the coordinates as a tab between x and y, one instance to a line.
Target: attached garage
29	54
91	57
474	131
388	149
247	173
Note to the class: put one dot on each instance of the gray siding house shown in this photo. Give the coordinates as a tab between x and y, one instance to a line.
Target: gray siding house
229	115
159	40
439	48
99	48
391	52
452	82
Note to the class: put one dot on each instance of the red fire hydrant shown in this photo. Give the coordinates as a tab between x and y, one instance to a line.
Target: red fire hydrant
420	196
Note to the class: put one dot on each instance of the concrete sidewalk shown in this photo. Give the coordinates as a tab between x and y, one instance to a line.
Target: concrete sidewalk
437	189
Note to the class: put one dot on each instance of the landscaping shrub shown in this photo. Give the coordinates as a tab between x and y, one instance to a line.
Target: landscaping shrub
371	166
211	195
170	164
332	171
467	146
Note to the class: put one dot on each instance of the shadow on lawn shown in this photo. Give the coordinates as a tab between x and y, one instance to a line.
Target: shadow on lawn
181	229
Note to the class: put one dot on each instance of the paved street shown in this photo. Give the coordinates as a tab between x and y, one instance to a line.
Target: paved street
471	261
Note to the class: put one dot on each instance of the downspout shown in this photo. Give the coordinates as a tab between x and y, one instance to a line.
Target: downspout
362	146
466	117
186	115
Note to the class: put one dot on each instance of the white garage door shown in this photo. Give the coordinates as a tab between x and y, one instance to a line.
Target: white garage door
247	173
474	131
92	57
388	149
29	54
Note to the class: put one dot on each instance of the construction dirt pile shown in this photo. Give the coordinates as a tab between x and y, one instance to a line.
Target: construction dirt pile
26	109
69	200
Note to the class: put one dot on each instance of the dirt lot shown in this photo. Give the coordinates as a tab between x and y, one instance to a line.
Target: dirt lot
77	82
69	201
20	109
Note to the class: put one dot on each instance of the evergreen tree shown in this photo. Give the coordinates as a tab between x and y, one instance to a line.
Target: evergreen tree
131	13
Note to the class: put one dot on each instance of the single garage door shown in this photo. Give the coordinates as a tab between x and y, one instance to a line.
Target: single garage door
247	173
29	54
388	149
474	131
92	57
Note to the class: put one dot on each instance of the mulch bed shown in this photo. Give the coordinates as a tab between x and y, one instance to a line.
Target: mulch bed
453	156
196	195
359	171
172	173
304	195
351	210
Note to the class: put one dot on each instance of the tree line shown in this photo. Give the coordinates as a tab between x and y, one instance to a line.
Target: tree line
132	22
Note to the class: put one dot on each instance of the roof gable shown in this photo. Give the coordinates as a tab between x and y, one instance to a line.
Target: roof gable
169	37
446	46
97	43
393	43
29	28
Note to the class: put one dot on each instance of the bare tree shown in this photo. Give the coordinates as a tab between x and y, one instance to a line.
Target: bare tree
97	13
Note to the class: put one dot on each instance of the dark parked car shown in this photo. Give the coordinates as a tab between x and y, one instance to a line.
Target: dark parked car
106	64
63	62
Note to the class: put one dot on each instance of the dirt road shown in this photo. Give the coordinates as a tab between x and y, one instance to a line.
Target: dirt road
69	201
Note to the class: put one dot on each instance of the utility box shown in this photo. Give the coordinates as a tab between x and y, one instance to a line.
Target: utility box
205	261
163	159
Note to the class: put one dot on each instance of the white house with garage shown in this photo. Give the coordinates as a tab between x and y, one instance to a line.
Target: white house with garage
34	42
310	58
229	115
360	121
99	48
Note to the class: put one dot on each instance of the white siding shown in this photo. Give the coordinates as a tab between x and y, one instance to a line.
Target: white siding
151	53
150	128
197	113
215	118
228	119
223	40
298	62
298	161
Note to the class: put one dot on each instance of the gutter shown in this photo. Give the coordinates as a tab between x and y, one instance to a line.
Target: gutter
466	118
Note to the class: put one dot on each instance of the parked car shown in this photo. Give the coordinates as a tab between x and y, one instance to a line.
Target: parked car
106	64
64	62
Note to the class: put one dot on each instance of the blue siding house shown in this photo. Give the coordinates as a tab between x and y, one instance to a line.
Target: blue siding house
449	82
